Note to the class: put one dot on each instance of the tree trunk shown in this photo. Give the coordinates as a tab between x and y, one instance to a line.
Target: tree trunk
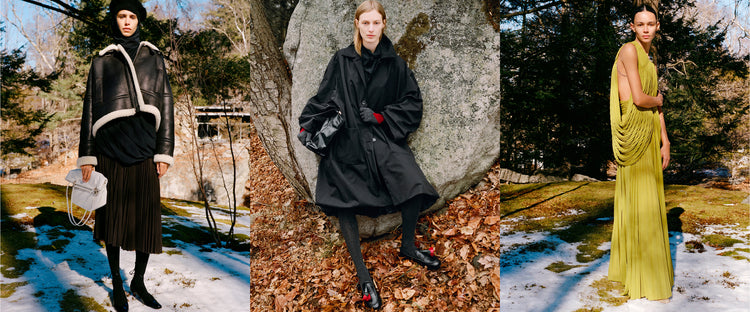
270	98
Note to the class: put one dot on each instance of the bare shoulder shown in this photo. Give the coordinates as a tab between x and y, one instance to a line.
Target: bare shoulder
628	51
628	54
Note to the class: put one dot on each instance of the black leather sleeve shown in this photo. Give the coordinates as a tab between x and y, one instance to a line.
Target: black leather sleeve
165	133
86	147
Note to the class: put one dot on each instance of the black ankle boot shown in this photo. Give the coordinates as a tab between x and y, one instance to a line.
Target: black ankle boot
119	299
422	257
138	289
370	295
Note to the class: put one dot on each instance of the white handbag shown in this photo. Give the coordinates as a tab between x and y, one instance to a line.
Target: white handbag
89	196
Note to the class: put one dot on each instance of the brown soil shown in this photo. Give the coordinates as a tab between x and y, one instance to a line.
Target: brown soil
53	173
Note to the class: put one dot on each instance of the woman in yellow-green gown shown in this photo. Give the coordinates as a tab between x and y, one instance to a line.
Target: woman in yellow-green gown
640	256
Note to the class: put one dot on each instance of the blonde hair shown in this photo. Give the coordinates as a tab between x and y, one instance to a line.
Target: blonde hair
365	7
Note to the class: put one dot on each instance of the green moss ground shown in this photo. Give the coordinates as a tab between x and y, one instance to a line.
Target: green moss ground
690	209
581	213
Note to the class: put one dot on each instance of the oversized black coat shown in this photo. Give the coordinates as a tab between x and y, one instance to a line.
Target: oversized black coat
369	168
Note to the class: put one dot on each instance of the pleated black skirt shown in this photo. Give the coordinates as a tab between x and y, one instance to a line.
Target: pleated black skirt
131	218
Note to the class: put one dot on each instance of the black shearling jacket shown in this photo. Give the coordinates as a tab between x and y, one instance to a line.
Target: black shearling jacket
120	87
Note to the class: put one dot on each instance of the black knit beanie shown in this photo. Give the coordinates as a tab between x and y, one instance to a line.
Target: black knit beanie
131	43
134	6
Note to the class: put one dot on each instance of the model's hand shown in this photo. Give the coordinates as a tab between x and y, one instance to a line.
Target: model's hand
161	168
304	137
664	156
368	116
86	172
659	99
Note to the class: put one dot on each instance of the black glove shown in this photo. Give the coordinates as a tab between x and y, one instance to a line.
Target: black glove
368	116
304	137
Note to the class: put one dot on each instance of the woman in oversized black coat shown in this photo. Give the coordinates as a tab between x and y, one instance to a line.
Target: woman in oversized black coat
127	132
369	168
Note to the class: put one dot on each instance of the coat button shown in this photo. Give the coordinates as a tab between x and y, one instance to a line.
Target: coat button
373	139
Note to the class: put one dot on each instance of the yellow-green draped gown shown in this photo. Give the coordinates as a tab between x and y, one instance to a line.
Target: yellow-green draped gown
640	256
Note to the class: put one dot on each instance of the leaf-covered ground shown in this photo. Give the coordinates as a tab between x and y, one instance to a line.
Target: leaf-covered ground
299	261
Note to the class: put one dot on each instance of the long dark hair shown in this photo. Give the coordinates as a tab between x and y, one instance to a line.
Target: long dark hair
641	8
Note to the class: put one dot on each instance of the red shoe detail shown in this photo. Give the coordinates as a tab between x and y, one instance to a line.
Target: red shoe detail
366	297
432	251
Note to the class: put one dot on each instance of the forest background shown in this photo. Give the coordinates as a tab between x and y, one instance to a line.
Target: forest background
556	59
556	62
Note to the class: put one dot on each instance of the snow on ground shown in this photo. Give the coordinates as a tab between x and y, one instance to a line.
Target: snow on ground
703	281
184	278
198	215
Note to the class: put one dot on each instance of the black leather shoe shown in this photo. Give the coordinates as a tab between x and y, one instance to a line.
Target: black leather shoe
139	292
119	299
424	258
120	302
370	295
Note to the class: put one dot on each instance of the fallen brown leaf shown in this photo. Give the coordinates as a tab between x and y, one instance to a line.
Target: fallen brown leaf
495	278
281	301
489	261
491	220
464	252
474	223
470	272
449	232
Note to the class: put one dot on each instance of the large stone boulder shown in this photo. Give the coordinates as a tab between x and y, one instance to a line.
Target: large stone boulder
454	52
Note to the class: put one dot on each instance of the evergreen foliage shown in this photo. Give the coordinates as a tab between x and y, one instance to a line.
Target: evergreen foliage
21	123
555	85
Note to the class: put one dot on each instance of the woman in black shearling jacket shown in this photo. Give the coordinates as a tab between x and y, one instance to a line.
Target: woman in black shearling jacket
118	96
127	132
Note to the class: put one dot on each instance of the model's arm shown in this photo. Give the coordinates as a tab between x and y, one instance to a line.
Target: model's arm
86	156
629	60
165	134
665	145
403	116
324	102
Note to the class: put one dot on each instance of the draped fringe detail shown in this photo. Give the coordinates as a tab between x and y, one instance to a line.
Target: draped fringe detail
632	126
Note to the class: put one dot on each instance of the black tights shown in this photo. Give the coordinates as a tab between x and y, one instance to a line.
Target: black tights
113	256
350	230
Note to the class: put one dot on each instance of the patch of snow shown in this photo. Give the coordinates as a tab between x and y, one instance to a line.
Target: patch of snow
191	280
19	215
703	281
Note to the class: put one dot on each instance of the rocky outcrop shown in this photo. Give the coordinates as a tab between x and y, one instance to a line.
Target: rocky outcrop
180	182
454	52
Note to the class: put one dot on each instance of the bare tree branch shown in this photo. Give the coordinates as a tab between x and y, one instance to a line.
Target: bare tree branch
67	10
532	10
34	44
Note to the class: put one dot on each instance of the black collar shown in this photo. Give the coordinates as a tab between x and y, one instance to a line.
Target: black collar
385	45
